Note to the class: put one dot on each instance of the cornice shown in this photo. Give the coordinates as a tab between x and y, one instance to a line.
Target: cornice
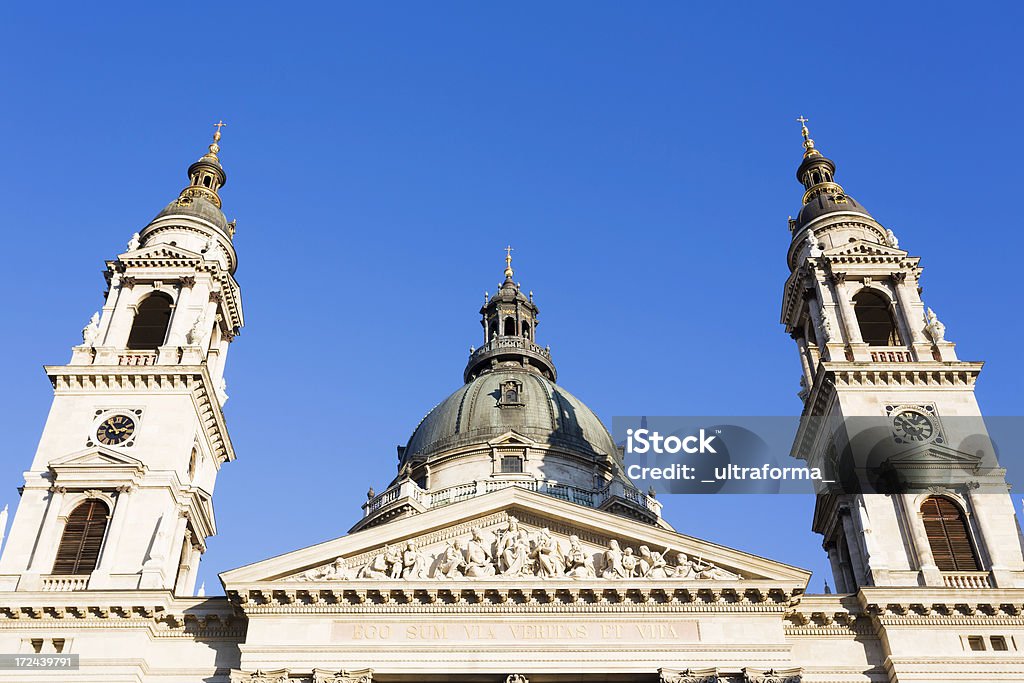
497	596
159	612
194	379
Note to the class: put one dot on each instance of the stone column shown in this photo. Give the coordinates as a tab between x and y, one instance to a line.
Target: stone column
805	362
108	557
48	539
181	323
850	326
985	509
857	559
838	572
926	561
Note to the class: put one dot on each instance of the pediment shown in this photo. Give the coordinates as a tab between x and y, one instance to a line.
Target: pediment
511	438
863	247
511	536
97	456
96	466
161	252
935	455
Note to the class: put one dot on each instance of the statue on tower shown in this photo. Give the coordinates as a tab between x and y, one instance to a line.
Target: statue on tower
91	332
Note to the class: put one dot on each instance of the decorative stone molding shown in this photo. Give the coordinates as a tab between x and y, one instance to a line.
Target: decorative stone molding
128	282
187	281
343	676
689	675
516	678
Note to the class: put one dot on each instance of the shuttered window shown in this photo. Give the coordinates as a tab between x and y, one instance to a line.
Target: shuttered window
79	549
948	536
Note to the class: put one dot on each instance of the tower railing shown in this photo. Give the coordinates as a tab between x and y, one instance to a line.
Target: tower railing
510	342
424	499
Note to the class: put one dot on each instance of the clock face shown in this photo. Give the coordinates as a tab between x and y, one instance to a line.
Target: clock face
911	426
115	430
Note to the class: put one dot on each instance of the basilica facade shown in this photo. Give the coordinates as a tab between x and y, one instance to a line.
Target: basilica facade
509	547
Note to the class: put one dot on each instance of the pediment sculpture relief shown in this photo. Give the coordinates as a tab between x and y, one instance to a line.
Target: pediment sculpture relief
515	551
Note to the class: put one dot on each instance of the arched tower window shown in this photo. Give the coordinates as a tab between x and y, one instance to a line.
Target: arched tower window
149	329
875	320
510	327
79	548
948	536
526	330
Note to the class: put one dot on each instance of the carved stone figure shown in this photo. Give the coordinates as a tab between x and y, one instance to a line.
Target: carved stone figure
450	563
378	567
825	327
890	237
134	242
506	537
414	564
478	555
393	558
514	559
934	327
91	332
700	569
578	563
629	562
195	334
812	239
547	555
336	571
613	568
652	564
684	567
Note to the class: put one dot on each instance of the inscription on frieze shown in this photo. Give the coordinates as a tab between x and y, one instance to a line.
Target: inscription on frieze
383	631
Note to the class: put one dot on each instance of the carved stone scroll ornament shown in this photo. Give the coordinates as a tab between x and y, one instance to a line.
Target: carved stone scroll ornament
689	675
515	552
260	676
516	678
791	675
343	676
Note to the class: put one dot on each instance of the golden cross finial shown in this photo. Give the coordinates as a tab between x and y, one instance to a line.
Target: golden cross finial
220	124
508	261
808	142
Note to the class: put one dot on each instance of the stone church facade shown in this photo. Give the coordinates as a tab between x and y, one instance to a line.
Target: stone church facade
509	547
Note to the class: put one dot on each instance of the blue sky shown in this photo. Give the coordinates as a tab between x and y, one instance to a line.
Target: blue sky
638	156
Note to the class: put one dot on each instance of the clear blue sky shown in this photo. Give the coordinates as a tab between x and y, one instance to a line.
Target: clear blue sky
638	156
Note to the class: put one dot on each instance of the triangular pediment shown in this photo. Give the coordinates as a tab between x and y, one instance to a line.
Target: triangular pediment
863	247
97	456
511	536
936	455
511	438
97	467
161	252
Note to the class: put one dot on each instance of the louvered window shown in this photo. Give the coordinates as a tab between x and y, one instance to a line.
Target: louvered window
948	536
79	549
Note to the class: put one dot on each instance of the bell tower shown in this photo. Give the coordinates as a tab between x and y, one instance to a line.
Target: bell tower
119	494
870	349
